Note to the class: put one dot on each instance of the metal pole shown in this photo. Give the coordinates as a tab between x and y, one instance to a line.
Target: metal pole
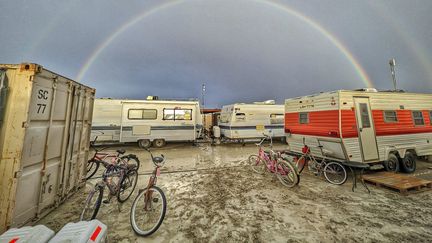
203	94
203	87
392	63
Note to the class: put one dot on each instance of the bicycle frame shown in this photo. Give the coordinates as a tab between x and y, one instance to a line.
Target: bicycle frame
152	181
149	194
306	158
269	158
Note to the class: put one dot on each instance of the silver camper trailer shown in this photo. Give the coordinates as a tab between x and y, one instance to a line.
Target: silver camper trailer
245	121
146	122
44	141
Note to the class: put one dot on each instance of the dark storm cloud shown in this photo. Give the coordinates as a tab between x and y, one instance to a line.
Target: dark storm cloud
243	50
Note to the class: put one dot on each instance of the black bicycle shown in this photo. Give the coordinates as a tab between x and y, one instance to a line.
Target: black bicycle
121	180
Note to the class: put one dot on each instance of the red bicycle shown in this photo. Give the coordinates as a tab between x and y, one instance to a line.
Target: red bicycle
149	207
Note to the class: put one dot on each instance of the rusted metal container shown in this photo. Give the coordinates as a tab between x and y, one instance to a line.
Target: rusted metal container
44	141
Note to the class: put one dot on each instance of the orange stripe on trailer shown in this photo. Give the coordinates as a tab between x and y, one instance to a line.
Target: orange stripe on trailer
14	240
321	123
95	233
404	125
326	123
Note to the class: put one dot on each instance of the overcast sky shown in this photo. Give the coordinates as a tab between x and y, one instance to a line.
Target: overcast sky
242	50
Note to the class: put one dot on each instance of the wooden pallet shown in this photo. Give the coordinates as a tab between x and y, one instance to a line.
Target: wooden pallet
400	182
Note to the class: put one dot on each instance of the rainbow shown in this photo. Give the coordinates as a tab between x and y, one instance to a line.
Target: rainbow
337	43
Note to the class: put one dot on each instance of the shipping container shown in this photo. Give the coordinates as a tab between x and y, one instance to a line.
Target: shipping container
44	141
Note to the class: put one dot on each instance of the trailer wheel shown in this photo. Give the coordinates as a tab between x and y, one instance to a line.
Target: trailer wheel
159	143
392	163
408	163
144	143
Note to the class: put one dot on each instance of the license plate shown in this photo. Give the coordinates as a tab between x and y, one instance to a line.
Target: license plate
259	127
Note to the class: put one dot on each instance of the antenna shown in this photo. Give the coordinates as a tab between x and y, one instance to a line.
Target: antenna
203	89
392	63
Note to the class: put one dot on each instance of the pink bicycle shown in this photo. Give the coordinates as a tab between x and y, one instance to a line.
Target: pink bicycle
272	162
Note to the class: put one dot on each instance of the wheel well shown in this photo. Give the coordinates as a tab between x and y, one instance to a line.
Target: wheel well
395	152
412	151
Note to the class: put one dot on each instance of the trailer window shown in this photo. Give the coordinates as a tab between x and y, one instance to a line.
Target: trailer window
276	118
240	116
304	118
177	114
390	116
142	114
183	114
364	114
418	117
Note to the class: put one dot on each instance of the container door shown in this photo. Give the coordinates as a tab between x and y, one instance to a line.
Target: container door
79	135
37	185
366	129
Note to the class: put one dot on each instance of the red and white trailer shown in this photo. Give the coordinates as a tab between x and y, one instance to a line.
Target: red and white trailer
365	125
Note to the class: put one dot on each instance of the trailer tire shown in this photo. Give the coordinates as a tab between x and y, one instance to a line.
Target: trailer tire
159	143
144	143
392	163
408	163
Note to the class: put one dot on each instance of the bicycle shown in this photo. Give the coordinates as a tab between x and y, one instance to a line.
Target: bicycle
126	176
149	207
113	158
333	171
273	162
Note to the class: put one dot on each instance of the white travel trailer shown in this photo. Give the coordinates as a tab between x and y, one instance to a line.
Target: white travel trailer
363	126
146	121
244	121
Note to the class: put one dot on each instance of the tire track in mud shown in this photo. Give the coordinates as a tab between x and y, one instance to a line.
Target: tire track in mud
221	208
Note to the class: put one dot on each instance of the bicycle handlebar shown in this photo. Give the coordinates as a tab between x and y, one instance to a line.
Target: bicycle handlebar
266	137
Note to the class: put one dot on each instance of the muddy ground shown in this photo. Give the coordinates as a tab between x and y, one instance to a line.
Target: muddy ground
217	198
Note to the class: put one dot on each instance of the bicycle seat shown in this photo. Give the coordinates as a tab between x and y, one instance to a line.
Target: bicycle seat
121	151
158	160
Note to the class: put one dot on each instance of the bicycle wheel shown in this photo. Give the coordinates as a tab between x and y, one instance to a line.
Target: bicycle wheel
257	164
335	173
148	211
286	173
127	186
92	204
130	160
92	167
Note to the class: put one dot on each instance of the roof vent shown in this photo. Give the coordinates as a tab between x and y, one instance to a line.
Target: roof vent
367	90
152	97
267	102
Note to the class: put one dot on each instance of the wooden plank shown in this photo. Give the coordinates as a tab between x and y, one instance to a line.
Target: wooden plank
400	182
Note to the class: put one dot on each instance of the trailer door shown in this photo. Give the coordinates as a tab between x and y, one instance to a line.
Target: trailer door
366	129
